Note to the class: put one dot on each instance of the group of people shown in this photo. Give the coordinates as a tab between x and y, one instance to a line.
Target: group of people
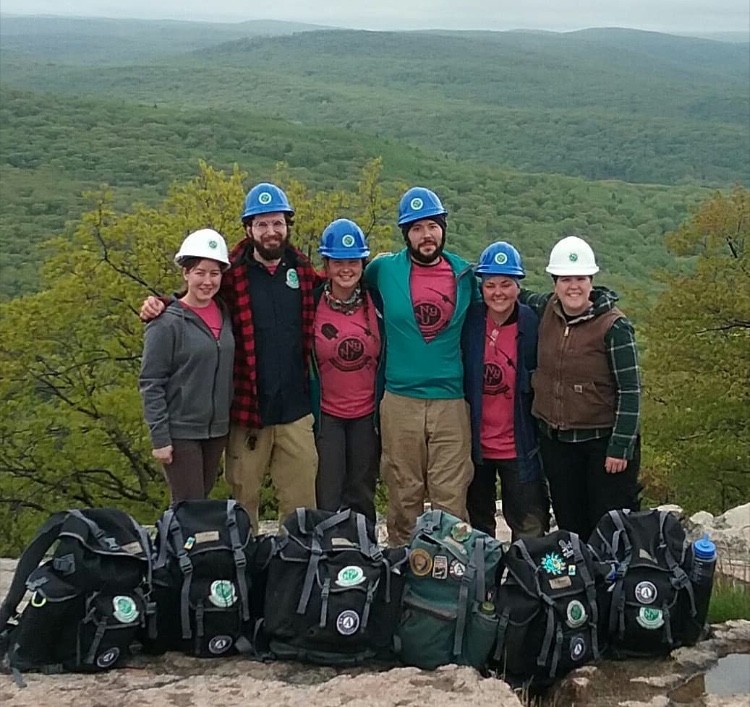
417	366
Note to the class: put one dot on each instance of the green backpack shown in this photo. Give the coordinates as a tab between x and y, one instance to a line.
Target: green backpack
447	610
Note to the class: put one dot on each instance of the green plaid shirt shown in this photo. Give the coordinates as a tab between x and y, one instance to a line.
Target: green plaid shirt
622	354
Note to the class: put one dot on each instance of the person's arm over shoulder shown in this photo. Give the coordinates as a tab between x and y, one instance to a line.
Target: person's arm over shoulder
156	368
622	354
538	302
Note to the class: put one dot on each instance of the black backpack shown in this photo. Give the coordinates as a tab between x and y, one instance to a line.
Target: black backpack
546	601
653	606
204	579
333	596
89	600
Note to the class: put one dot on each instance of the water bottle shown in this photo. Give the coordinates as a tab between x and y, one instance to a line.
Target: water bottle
704	561
702	577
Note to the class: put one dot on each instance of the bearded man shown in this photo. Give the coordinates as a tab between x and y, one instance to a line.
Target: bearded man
269	292
425	430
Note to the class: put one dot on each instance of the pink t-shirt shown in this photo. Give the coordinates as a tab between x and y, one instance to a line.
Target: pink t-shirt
347	348
433	295
210	314
500	358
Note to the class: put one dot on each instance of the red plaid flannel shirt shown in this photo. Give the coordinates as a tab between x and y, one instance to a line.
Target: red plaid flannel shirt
236	293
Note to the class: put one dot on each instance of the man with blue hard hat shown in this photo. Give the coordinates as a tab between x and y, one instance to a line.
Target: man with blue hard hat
424	419
269	292
500	354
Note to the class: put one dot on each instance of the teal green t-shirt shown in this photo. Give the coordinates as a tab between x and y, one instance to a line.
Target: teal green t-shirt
414	367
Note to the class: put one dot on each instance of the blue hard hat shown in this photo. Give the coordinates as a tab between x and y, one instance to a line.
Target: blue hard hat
418	203
343	240
500	258
265	198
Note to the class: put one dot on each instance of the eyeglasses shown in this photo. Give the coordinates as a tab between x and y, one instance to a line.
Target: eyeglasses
276	225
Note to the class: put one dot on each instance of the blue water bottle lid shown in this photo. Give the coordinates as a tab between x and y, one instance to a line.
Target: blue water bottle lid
704	548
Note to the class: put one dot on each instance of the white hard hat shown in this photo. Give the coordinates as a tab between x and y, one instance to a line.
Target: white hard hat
205	243
572	256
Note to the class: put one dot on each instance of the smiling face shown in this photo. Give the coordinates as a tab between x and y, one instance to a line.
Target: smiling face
344	274
574	291
425	240
270	235
202	280
500	294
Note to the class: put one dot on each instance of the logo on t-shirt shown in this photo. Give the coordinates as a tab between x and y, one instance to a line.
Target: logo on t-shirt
494	383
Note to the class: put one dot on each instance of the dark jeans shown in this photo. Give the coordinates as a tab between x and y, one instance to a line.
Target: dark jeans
582	491
194	468
525	504
348	462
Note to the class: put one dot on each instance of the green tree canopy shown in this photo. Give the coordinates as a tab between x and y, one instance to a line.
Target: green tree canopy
698	363
72	431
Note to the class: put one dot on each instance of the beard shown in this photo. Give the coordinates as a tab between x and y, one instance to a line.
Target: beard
426	259
274	253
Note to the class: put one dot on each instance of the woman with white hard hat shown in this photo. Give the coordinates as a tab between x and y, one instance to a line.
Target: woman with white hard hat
186	372
586	392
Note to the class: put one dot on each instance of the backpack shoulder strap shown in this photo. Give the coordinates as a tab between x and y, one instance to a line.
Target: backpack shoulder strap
29	561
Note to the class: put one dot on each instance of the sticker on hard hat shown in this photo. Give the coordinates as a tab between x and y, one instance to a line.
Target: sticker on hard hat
573	257
347	241
501	258
213	244
264	197
416	203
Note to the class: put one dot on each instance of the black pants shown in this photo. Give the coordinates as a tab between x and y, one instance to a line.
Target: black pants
582	491
348	462
525	504
194	468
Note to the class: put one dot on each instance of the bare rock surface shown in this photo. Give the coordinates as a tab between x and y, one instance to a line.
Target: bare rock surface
179	681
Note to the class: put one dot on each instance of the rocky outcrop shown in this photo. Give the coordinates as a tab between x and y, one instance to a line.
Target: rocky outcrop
179	681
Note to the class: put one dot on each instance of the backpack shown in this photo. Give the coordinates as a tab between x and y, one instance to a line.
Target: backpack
447	614
333	596
652	602
546	601
204	588
89	600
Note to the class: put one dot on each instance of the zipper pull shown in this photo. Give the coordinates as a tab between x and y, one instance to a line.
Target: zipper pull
567	329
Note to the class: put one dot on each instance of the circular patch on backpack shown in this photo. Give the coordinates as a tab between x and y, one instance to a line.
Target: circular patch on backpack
347	622
576	614
125	609
457	569
264	197
645	592
420	562
350	576
461	531
108	658
219	645
416	203
650	618
577	648
222	593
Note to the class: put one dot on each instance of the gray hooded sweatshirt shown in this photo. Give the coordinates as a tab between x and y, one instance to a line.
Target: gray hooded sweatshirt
186	376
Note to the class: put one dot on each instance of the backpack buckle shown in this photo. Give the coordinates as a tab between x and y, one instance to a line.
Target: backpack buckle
65	565
185	564
240	560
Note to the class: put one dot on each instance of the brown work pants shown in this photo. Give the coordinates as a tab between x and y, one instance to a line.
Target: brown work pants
286	452
426	454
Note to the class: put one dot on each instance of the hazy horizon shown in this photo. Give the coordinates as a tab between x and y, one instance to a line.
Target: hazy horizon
670	16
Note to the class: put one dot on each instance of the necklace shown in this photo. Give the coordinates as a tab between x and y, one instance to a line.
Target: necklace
349	305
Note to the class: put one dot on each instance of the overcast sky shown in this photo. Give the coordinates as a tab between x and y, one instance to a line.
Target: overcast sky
659	15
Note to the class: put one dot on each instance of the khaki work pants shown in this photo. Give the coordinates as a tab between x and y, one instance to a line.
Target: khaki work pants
286	452
426	454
